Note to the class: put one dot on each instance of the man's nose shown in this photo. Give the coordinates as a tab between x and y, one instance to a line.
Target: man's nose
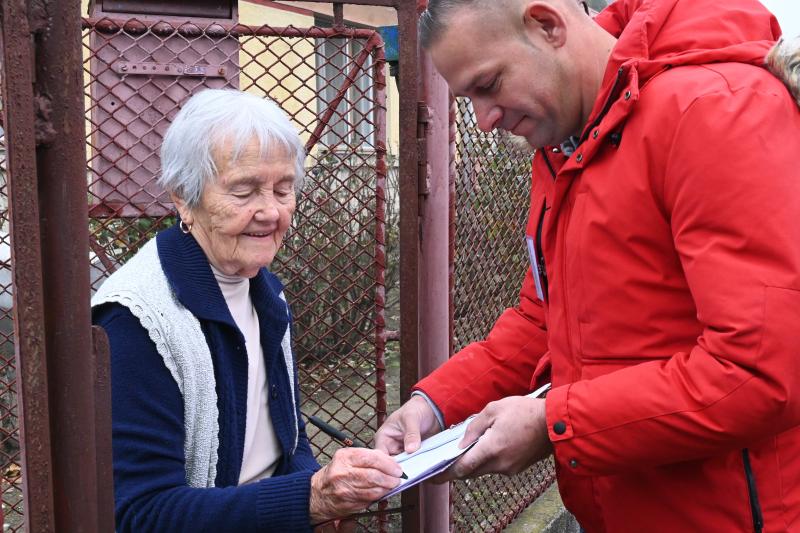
488	115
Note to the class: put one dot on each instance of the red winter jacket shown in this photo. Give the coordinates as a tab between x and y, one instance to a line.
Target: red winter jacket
671	244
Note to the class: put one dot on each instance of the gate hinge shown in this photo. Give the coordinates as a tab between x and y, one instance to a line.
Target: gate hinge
424	116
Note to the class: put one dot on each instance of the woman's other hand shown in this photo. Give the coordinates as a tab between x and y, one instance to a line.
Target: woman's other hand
355	478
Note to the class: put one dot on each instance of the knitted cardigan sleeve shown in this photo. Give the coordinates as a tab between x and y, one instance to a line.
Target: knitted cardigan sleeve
151	493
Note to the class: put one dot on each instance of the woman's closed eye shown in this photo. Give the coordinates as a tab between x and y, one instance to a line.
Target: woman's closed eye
242	193
284	192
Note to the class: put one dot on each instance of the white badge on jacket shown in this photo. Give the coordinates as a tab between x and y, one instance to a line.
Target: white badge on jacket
535	267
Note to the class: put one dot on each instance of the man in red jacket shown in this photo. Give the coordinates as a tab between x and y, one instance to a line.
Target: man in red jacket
664	235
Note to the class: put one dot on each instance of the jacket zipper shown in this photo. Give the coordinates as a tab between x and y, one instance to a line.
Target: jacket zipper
538	249
755	507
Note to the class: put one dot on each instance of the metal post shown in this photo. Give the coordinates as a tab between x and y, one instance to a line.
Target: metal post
61	164
29	313
409	229
434	287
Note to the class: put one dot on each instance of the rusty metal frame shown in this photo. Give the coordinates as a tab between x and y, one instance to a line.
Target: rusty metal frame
29	317
66	455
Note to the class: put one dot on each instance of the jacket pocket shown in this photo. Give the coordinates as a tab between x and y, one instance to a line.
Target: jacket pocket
752	490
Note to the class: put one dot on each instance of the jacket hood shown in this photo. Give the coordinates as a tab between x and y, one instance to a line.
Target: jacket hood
653	35
660	33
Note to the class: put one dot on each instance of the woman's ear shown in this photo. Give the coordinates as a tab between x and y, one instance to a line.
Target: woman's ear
183	210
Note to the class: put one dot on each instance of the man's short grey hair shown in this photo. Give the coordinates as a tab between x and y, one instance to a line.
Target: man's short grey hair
434	20
222	118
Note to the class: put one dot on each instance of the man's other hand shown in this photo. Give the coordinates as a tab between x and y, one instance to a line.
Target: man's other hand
405	428
513	436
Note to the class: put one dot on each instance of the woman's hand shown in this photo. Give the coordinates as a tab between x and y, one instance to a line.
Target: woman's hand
338	526
355	478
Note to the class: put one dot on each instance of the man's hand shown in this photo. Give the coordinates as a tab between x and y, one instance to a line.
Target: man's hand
355	478
405	428
513	436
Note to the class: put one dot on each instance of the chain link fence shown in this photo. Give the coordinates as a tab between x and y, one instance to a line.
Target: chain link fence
492	199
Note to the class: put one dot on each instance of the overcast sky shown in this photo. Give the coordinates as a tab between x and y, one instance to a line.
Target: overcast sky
788	13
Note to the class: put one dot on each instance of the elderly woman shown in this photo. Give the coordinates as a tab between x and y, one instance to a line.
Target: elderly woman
207	433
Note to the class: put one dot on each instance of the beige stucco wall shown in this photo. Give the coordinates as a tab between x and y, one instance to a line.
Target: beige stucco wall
256	14
280	67
367	15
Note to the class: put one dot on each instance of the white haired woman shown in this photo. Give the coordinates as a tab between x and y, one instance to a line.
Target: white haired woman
207	433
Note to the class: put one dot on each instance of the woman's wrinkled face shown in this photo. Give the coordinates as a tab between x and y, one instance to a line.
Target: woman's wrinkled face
243	215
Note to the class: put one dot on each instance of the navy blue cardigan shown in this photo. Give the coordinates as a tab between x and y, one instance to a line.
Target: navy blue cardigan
151	494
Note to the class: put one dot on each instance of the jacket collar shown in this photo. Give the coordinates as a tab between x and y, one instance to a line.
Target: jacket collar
190	276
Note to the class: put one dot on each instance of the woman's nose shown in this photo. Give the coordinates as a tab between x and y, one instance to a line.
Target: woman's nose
268	208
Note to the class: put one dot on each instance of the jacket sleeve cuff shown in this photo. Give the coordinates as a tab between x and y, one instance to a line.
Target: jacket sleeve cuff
560	429
436	411
282	502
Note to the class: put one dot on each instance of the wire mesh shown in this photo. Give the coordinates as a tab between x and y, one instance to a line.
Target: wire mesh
492	200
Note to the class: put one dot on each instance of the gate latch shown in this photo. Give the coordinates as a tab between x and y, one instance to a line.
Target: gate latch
146	68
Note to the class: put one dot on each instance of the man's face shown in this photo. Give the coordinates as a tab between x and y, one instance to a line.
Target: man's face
514	77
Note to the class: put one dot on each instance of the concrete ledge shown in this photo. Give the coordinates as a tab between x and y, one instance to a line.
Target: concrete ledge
545	515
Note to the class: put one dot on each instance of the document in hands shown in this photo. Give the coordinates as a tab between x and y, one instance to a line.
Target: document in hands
437	453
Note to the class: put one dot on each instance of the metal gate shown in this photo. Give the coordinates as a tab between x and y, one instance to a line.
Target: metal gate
332	82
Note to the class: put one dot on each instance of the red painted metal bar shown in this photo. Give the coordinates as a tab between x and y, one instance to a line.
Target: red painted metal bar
434	289
61	167
409	228
29	312
379	119
111	25
101	352
452	235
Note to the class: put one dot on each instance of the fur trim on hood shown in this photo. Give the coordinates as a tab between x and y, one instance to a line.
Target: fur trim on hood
784	62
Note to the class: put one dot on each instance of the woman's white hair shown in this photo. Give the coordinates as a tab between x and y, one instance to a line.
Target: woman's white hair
217	118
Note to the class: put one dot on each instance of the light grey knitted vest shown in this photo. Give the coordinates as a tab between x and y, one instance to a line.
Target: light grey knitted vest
142	287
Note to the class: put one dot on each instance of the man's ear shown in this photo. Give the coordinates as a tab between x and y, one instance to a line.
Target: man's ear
546	22
183	210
